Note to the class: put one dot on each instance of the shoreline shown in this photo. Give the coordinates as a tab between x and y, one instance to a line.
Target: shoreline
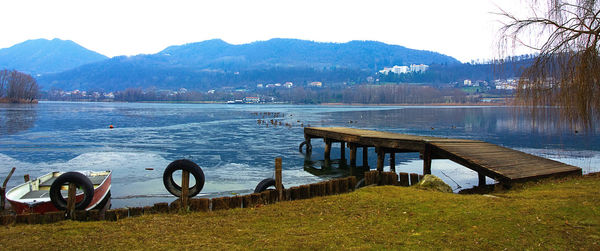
17	101
425	104
287	103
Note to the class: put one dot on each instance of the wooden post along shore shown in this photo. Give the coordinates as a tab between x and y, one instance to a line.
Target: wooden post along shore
185	189
278	178
488	160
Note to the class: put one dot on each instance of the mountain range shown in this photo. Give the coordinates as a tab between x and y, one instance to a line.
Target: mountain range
209	64
46	56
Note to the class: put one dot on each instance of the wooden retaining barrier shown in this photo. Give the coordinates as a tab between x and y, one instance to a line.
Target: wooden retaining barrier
323	188
391	178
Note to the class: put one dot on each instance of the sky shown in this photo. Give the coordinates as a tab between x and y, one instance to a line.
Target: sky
464	29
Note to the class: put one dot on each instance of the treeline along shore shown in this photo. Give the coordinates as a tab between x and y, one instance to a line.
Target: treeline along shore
17	87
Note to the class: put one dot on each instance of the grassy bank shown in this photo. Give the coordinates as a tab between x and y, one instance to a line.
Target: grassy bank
563	215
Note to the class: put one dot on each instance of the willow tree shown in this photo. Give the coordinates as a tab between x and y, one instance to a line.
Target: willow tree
566	73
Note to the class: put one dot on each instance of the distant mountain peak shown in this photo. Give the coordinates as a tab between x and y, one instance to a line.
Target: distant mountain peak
47	56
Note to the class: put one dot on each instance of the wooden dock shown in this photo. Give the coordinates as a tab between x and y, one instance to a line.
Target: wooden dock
499	163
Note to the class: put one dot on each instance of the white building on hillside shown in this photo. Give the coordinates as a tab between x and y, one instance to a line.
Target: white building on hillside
418	67
404	69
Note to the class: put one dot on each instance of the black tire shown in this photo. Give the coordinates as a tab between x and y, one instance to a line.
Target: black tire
192	168
82	183
308	146
265	184
360	183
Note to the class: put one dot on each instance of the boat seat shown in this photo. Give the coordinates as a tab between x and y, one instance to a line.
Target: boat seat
96	180
42	194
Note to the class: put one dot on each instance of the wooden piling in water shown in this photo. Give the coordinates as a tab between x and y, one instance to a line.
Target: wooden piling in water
365	155
380	158
481	177
343	152
392	161
327	153
352	154
427	159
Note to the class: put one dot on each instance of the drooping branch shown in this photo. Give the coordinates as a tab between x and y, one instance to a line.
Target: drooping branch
566	72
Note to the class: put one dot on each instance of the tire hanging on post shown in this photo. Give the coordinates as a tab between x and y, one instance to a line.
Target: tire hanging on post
265	184
308	146
187	165
82	182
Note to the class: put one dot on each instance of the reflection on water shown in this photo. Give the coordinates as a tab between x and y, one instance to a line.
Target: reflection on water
16	117
236	152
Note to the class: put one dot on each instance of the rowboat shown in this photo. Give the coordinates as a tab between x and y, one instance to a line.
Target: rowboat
34	196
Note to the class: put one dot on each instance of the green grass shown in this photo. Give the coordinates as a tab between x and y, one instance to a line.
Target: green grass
556	214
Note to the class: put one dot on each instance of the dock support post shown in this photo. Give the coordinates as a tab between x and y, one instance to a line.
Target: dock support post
481	179
365	152
71	200
3	189
427	159
278	178
392	161
185	189
327	153
352	154
343	151
380	158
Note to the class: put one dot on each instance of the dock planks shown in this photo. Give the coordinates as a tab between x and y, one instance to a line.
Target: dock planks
500	163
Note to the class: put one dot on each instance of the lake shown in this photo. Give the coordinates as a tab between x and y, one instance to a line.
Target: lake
236	152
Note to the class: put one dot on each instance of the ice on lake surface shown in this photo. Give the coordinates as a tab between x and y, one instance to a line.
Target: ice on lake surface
235	151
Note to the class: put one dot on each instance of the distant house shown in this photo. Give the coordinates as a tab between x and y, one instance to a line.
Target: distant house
249	100
315	84
288	85
259	86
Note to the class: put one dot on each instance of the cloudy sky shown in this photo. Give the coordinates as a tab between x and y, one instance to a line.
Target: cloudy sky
464	29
